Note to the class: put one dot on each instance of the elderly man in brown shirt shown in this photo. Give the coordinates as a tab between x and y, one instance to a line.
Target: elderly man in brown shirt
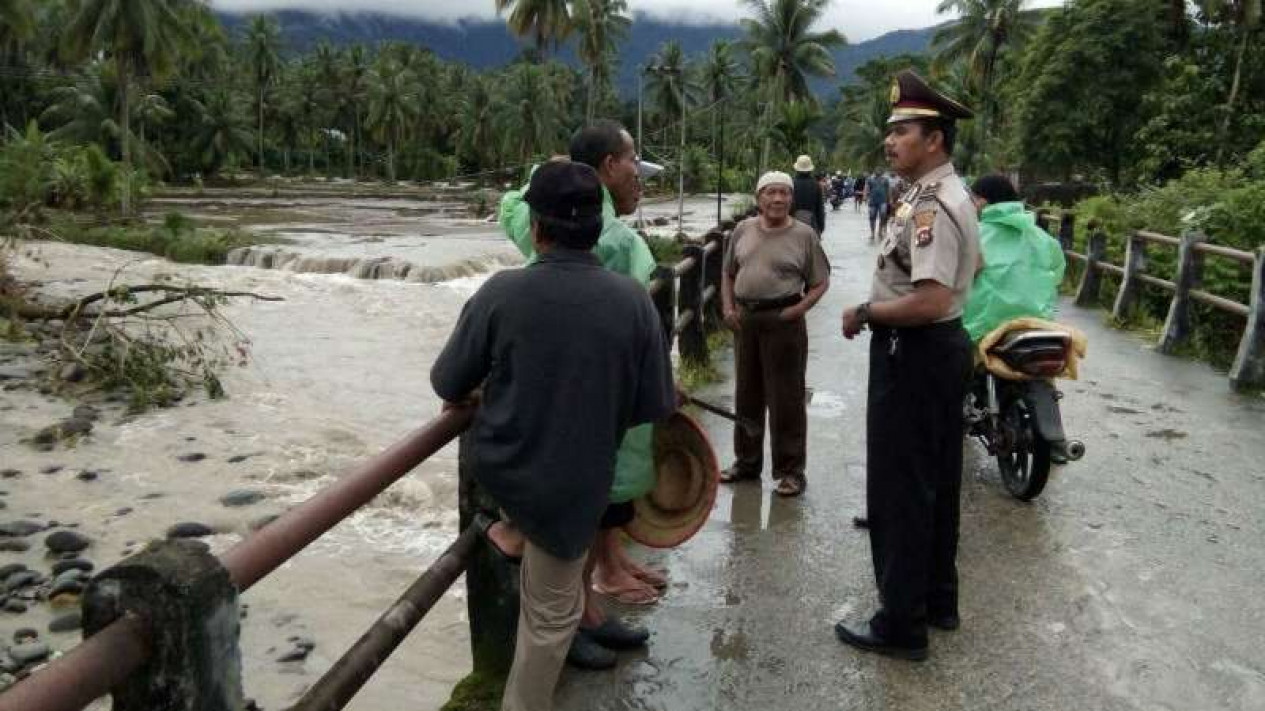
774	272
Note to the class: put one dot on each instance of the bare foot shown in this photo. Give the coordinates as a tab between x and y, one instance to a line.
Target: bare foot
654	578
623	587
507	539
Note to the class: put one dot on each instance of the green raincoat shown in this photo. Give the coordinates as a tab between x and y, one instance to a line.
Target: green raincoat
1023	267
623	251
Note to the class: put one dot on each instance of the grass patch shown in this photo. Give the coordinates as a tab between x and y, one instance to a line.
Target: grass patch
477	692
692	375
178	238
666	251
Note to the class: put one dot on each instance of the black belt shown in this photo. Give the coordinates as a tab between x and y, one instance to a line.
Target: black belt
950	326
766	304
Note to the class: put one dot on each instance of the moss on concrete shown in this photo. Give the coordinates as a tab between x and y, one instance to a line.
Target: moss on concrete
479	691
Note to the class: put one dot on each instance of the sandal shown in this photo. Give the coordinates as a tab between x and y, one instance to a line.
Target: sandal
789	486
631	596
734	474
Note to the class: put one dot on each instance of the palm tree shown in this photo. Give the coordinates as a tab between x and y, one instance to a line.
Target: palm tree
351	91
670	82
794	125
986	31
546	21
223	133
601	26
83	112
785	52
263	46
718	77
478	110
1245	17
862	130
140	37
530	123
17	23
392	104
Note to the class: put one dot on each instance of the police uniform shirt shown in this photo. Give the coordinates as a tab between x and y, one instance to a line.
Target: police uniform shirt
934	235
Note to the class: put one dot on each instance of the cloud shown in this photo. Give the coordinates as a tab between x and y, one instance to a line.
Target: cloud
857	19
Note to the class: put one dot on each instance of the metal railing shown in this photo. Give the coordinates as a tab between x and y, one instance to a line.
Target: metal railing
116	654
1248	369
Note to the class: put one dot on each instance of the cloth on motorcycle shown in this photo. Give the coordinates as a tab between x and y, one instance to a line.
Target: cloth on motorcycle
997	366
1023	267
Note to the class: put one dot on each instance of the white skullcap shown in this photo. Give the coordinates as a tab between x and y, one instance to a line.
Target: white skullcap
773	177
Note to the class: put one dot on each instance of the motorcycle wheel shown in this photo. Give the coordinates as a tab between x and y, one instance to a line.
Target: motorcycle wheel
1025	464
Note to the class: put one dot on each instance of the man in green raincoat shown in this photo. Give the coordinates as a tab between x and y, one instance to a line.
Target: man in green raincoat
609	149
1023	265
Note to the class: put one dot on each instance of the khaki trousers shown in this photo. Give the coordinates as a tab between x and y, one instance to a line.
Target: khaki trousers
551	601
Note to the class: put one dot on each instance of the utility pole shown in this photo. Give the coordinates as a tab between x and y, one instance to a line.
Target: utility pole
680	183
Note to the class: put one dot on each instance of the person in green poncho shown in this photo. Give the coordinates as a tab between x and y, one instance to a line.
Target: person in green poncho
609	149
1023	264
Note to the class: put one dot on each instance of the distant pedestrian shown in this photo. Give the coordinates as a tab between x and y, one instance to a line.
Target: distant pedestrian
809	202
773	272
876	191
920	361
569	356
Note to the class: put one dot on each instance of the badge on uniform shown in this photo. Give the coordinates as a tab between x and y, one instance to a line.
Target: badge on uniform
923	222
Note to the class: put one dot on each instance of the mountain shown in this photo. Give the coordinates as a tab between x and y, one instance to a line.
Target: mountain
483	44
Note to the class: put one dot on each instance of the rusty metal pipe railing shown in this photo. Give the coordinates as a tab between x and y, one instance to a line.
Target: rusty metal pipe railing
101	662
358	664
280	540
684	266
86	672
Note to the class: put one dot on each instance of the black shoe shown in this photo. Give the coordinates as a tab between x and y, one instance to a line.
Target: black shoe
863	637
947	622
614	634
585	653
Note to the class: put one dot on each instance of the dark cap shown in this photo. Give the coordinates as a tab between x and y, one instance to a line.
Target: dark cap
567	192
913	98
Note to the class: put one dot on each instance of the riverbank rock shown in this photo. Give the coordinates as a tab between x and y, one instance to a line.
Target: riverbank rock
242	497
192	457
29	652
19	529
62	566
14	545
190	530
68	622
66	542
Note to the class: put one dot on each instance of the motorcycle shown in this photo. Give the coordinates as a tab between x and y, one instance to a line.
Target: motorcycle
836	199
1018	421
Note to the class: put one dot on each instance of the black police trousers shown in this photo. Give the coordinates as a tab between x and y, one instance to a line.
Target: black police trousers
918	379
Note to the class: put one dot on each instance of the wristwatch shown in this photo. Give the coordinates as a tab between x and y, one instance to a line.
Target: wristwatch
863	313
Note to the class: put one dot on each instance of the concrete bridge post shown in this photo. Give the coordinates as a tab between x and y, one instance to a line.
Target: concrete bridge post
190	605
1190	265
1095	251
1248	371
1134	264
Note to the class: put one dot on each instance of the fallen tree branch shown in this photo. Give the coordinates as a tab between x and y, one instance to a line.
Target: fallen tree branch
35	312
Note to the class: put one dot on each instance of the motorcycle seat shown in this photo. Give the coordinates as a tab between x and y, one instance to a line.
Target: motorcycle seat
1033	339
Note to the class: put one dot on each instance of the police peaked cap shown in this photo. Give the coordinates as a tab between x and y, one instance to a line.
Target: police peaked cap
913	98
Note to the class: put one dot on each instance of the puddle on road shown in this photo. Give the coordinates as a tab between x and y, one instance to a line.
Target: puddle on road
827	404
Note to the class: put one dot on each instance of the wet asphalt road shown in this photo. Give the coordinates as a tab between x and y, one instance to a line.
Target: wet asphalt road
1134	582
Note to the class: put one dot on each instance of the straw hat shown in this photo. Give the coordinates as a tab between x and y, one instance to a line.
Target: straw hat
803	164
687	476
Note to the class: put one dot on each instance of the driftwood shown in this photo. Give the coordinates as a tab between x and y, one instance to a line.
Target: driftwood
25	310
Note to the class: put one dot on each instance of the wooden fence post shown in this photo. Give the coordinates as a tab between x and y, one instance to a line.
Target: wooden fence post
1190	265
714	317
693	343
1134	264
665	300
1095	250
1043	219
1248	371
1067	229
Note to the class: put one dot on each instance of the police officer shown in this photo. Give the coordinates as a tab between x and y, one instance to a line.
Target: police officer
920	362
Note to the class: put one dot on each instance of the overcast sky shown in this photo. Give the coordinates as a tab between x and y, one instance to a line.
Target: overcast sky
858	19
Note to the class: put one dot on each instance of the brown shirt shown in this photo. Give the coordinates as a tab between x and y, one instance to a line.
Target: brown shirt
772	264
934	235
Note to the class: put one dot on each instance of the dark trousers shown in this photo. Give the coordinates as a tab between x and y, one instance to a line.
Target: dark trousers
770	357
918	378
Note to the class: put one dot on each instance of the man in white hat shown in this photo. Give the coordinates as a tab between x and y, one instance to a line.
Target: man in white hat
809	205
774	271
